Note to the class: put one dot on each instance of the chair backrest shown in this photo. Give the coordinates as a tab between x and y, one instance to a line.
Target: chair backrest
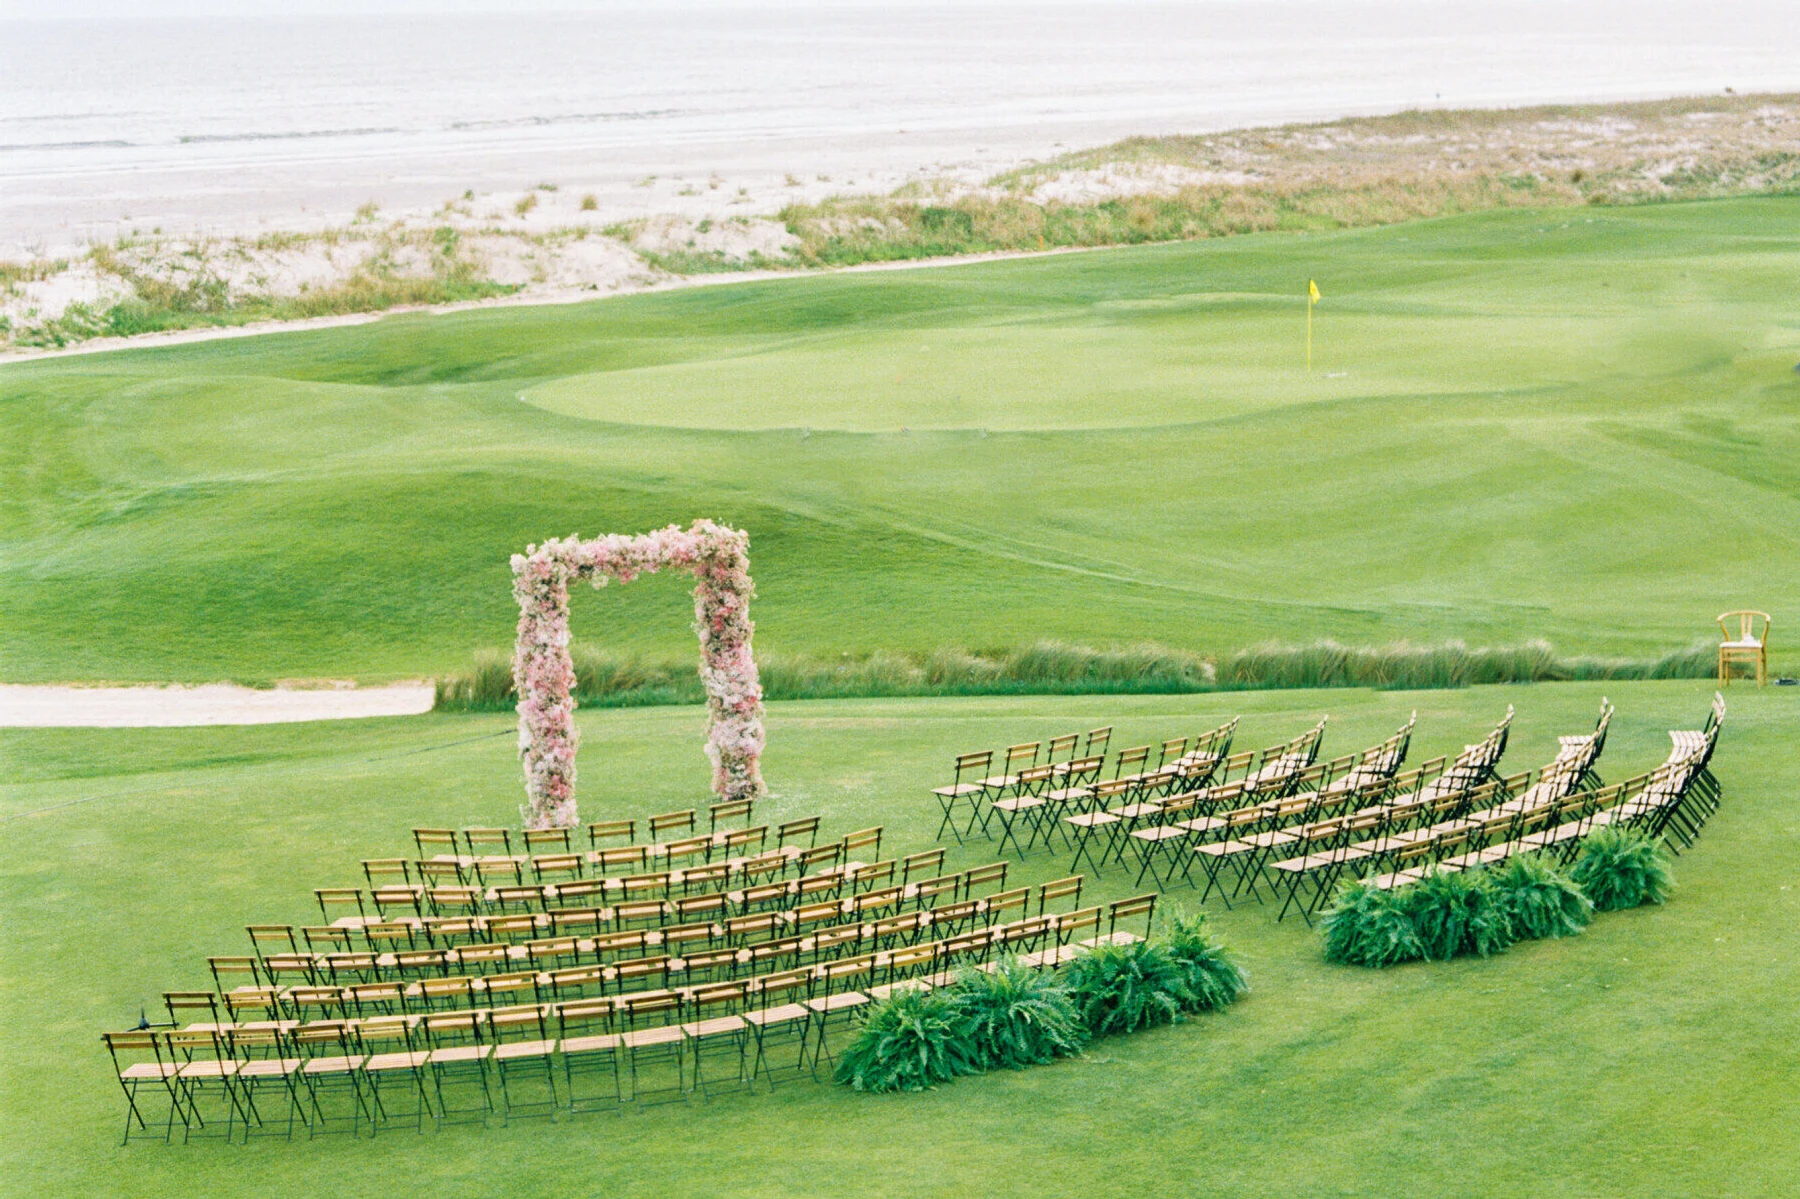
434	841
731	809
982	876
611	830
1061	888
488	840
1096	741
1131	761
1062	745
867	838
928	861
668	822
1020	756
1125	909
1741	628
793	830
547	840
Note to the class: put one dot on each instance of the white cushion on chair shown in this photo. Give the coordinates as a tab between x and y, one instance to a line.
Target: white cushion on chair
1744	643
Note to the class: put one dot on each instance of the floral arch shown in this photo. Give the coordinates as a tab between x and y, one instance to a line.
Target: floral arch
544	673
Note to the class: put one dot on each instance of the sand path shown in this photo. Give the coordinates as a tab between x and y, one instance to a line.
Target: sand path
23	706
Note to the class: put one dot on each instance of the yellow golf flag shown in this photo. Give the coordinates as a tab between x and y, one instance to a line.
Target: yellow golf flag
1312	297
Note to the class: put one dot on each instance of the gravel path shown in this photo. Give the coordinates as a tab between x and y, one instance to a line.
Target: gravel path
213	703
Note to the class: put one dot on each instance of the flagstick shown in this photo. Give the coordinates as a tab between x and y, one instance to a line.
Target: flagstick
1309	307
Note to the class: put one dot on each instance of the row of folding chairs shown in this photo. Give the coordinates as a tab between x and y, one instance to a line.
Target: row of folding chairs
336	1070
555	978
559	883
1064	763
744	932
480	842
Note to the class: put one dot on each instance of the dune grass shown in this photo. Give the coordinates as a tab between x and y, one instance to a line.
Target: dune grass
1573	425
1652	1054
1050	668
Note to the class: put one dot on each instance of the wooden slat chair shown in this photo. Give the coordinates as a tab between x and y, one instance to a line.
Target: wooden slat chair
1132	763
205	1079
264	1060
1057	890
391	1059
650	1037
862	841
433	842
329	939
779	1013
141	1063
1076	791
738	810
522	1047
1129	909
444	872
373	999
547	841
588	1043
623	857
715	1022
819	857
793	830
1096	741
663	824
458	1054
1089	826
927	862
1742	641
331	1066
229	972
605	834
487	842
338	901
970	770
1002	785
1024	803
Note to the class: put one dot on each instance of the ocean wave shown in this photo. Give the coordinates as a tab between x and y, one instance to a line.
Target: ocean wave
199	139
573	118
94	145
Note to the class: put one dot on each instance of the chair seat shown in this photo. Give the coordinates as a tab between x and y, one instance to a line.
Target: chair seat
139	1071
1741	643
269	1068
1162	832
667	1035
600	1041
1070	794
1022	803
461	1053
842	1001
398	1061
785	1013
1091	819
506	1053
332	1065
958	791
1000	781
715	1027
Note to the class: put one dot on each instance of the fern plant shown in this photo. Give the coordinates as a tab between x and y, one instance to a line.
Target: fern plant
1540	900
1369	926
1213	979
1122	988
1620	868
1016	1016
1457	912
909	1042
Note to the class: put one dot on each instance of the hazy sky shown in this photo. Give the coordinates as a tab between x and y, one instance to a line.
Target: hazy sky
66	9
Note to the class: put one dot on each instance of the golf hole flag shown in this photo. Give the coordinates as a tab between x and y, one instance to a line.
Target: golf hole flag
1312	297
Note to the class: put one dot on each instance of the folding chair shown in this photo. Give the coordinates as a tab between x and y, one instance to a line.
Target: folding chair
732	809
432	842
263	1058
1024	803
458	1052
388	1043
588	1045
716	1020
488	842
929	861
669	822
845	983
1056	889
778	1012
861	839
611	830
650	1036
342	899
547	841
1126	909
522	1041
793	830
973	766
1089	824
139	1059
230	973
205	1070
330	1064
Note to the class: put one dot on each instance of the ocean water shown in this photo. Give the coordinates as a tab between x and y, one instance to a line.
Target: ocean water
192	120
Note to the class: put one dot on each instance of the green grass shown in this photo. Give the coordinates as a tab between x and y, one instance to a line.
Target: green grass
1579	425
1651	1055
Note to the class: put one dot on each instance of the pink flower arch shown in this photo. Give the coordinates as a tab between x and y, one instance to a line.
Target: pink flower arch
544	674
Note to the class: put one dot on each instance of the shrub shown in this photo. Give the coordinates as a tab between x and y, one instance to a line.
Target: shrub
1122	988
1016	1016
909	1042
1620	868
1213	979
1540	900
1457	912
1367	926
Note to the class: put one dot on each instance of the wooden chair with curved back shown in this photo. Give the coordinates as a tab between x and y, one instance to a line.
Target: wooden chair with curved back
1746	644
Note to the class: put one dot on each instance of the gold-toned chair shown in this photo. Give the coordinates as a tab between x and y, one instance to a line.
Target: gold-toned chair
1746	644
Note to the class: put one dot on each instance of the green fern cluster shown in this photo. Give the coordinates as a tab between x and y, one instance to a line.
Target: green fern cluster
1482	911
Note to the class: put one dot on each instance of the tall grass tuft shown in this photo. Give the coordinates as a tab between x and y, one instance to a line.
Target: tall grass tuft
1213	980
1457	913
605	679
1015	1016
1369	926
1122	988
908	1042
1540	900
1621	868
